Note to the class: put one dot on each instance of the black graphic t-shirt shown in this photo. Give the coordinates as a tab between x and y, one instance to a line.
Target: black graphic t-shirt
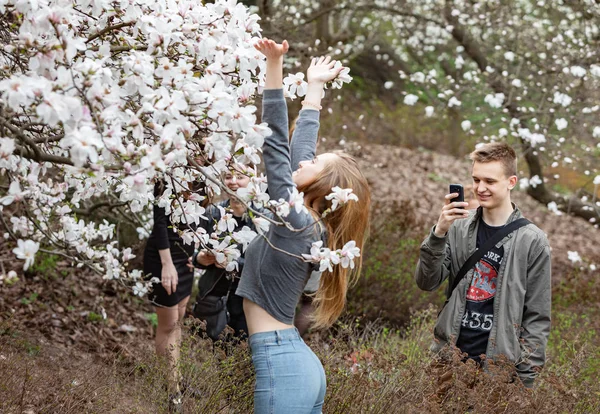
478	318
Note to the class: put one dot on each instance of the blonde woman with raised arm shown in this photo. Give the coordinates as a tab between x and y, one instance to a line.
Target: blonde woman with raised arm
289	376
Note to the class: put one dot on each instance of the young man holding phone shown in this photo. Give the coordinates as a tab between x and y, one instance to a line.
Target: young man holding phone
501	304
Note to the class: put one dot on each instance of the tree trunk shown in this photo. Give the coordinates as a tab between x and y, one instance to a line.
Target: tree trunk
540	193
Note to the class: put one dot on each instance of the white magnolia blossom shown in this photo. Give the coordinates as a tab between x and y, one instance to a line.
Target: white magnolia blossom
495	100
553	207
561	123
348	253
343	76
227	222
140	289
578	71
535	181
296	201
15	194
454	102
534	138
429	110
562	99
261	224
9	277
411	99
244	237
340	196
225	253
295	85
465	125
26	250
255	191
574	256
326	258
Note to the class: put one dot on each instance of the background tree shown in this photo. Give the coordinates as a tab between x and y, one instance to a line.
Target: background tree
523	71
98	100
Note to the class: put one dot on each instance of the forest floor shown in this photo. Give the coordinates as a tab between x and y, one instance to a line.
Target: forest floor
59	353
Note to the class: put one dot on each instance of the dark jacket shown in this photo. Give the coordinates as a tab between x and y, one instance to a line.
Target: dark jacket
216	281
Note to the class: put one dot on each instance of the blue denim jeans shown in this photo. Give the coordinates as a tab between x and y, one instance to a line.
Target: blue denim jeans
289	377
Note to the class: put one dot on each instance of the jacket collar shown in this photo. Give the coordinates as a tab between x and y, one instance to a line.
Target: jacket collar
474	223
516	214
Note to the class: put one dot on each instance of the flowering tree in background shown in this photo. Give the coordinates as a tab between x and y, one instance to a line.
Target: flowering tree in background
99	99
524	71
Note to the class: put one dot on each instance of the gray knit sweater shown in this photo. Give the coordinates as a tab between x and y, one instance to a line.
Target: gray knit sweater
272	279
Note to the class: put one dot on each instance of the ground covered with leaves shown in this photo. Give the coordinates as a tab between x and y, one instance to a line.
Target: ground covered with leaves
72	343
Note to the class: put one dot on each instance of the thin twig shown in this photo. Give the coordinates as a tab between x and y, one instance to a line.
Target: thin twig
108	29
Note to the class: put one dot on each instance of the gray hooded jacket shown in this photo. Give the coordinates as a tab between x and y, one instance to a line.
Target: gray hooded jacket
523	293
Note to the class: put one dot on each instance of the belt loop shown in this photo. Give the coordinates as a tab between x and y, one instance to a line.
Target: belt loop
278	337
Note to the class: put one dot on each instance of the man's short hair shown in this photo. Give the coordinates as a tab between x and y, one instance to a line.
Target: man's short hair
497	151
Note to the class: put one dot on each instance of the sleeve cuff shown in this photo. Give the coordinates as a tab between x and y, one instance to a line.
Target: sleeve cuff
273	94
310	114
435	241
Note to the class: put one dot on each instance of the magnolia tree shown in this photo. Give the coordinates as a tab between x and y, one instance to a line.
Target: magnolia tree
101	99
524	71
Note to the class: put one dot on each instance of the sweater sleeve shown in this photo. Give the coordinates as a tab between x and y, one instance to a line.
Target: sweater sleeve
304	138
276	153
161	222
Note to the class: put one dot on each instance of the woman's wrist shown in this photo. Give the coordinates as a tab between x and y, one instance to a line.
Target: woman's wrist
311	105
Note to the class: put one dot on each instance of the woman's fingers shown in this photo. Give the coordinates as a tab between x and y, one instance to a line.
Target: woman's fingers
167	285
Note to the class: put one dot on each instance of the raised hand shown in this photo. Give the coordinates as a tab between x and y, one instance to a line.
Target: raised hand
322	70
274	53
271	49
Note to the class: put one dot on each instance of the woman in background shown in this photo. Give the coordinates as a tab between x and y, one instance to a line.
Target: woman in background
216	281
166	257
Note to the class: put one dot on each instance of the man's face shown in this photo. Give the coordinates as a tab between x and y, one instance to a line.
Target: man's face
491	185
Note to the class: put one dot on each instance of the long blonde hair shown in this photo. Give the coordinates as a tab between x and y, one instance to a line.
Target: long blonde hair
346	223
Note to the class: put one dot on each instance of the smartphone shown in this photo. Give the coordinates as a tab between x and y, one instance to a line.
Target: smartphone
457	188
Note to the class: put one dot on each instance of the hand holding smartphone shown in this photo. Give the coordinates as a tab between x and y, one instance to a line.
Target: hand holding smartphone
457	188
450	212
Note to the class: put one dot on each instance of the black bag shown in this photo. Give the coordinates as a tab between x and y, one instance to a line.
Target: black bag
213	310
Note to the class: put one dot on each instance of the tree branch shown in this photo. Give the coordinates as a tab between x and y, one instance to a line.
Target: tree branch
108	29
